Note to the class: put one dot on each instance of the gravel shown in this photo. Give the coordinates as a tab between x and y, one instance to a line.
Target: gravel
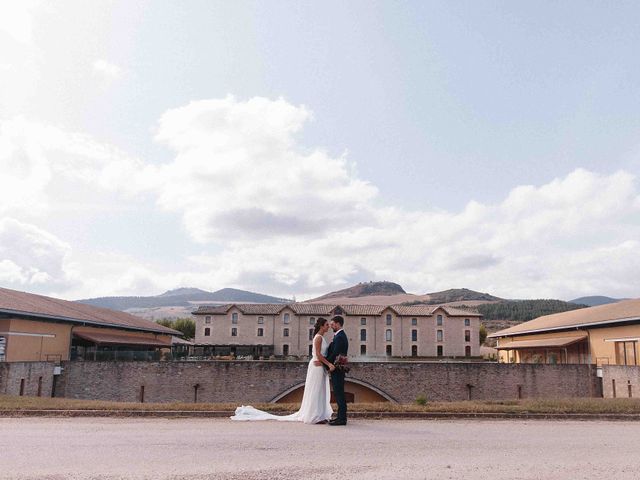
203	449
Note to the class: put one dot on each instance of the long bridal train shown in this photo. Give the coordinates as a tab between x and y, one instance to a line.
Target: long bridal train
315	407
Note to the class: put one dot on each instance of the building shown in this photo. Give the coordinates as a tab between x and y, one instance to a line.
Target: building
602	335
262	330
38	328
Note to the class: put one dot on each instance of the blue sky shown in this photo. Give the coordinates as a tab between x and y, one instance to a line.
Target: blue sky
297	147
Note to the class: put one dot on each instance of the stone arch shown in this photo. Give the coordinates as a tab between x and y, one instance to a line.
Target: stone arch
360	385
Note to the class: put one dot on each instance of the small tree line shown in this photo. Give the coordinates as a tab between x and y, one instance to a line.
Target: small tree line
524	310
185	325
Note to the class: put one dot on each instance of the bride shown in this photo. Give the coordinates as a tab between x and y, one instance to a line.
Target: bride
316	406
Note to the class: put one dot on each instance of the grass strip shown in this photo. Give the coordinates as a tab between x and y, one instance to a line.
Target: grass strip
601	406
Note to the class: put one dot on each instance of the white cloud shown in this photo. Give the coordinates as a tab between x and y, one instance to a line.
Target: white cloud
245	177
573	236
107	70
16	19
287	220
31	258
41	166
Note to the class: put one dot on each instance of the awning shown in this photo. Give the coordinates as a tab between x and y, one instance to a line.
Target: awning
100	338
557	342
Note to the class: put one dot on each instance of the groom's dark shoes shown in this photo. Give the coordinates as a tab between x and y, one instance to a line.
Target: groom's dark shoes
336	422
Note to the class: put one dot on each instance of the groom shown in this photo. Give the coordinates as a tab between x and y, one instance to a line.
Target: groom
339	346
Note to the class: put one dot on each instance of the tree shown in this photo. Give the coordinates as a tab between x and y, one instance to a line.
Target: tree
185	325
483	334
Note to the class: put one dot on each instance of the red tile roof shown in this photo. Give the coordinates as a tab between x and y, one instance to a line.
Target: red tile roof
29	304
326	309
318	309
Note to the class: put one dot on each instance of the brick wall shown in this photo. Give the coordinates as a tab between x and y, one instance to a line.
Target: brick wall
247	382
625	380
30	376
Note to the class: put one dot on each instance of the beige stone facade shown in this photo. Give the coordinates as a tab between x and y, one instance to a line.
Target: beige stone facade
373	330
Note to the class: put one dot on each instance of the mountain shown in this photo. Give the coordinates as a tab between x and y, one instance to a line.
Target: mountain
182	297
367	289
389	293
595	300
182	291
460	295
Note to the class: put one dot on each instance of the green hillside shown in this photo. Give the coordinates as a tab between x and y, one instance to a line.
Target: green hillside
524	310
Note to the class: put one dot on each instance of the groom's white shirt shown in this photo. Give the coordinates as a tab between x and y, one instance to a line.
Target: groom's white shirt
338	332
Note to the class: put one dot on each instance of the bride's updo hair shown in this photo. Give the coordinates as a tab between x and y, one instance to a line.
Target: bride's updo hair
320	322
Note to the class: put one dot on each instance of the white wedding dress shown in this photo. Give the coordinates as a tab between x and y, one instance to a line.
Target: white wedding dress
316	401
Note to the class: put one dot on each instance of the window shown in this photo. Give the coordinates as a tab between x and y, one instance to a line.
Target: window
312	321
467	335
261	332
389	350
285	332
363	335
363	321
234	318
285	350
207	319
626	353
467	322
414	321
234	332
414	350
439	320
388	319
3	345
467	351
388	336
207	332
260	320
363	349
311	334
439	337
414	335
285	318
310	350
440	351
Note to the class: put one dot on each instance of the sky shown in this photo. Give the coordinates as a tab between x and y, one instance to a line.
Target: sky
297	147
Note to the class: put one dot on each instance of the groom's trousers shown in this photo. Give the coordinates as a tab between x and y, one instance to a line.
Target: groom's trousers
337	379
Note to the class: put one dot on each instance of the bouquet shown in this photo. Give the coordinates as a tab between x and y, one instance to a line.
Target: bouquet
342	364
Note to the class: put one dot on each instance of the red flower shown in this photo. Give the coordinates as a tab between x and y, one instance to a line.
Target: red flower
342	364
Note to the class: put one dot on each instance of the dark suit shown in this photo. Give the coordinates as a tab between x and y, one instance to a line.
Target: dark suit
339	346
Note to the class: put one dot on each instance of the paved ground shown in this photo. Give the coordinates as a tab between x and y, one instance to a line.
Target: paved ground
109	448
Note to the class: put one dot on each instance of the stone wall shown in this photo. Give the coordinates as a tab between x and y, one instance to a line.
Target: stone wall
32	378
263	381
620	381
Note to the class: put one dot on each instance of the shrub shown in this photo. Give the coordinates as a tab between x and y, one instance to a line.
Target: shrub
421	400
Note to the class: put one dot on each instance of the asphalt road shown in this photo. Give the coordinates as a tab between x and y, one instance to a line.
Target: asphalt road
108	448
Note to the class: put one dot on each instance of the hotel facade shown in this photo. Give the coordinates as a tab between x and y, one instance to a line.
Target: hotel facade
283	330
